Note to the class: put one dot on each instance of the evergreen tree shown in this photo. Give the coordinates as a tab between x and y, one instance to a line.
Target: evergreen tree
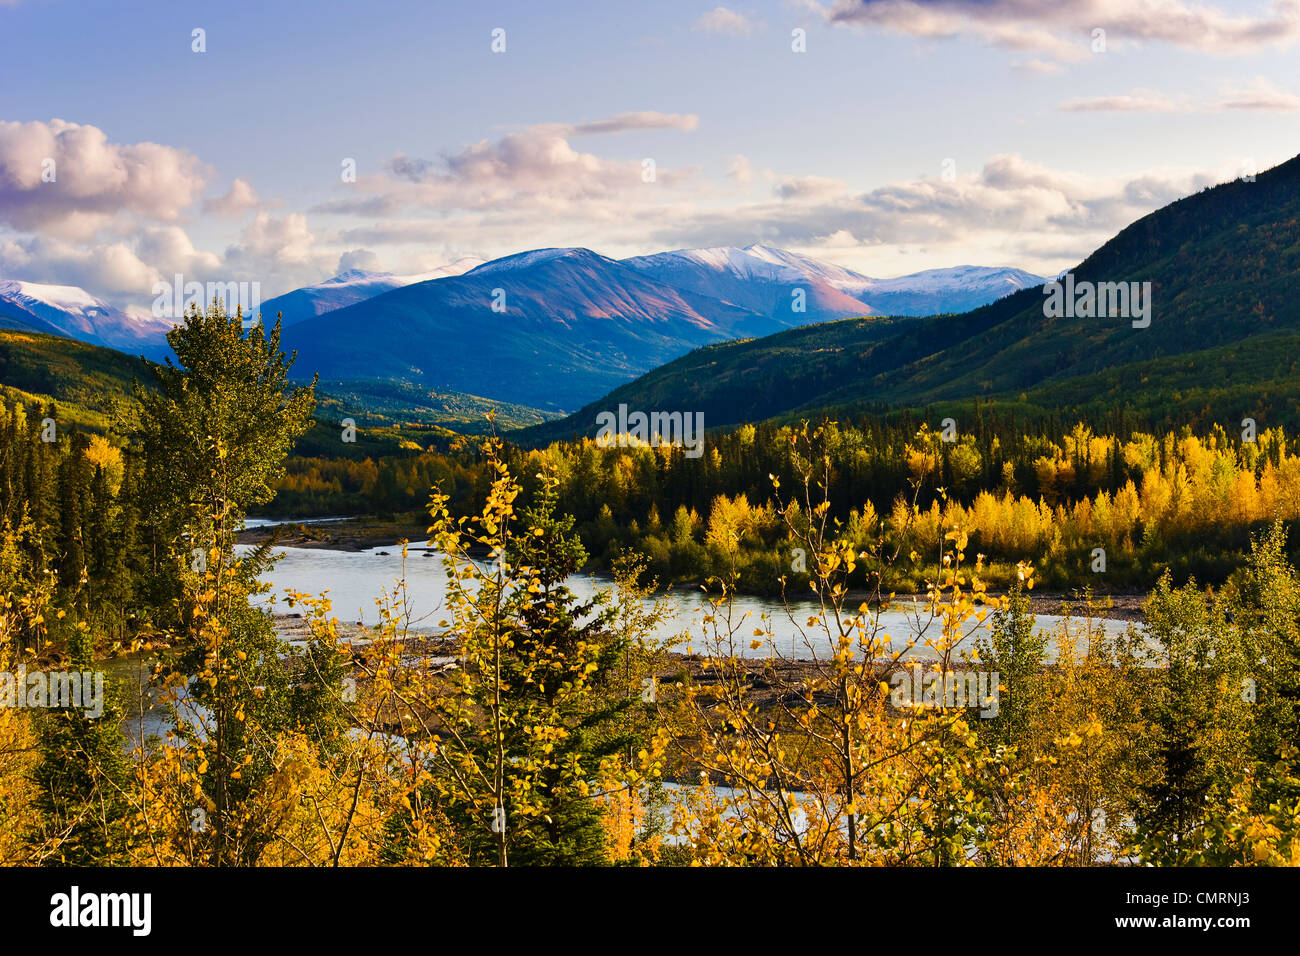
215	436
83	776
1016	650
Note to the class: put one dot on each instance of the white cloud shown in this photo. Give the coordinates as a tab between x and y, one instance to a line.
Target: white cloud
532	188
1013	211
624	122
535	167
722	20
1139	101
1063	28
93	179
740	170
809	188
112	270
279	251
1258	94
241	198
362	259
169	250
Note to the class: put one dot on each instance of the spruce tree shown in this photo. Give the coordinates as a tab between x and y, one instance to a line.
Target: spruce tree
215	435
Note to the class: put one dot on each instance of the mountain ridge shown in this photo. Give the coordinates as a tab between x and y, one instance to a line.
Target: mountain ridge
1222	266
646	310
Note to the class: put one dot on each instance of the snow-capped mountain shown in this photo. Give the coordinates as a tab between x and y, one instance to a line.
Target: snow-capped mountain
74	312
349	288
790	288
549	328
768	280
936	291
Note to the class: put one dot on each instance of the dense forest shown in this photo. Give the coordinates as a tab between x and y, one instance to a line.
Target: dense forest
539	728
1047	492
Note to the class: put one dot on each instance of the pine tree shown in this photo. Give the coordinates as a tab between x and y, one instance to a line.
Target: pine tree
555	625
531	713
1016	651
215	436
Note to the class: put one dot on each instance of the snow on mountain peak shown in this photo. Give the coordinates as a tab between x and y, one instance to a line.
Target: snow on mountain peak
355	275
524	260
70	298
77	314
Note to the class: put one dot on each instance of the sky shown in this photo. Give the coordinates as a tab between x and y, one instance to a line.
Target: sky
886	136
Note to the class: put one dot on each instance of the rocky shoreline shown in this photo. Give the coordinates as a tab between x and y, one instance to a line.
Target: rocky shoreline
355	534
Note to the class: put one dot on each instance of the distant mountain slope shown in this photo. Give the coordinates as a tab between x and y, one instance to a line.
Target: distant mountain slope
349	288
568	326
790	289
772	281
19	319
93	388
573	325
380	401
936	291
71	311
87	381
1224	267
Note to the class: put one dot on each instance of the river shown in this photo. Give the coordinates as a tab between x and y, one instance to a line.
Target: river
353	580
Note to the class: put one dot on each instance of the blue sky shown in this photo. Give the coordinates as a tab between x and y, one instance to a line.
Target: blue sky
226	164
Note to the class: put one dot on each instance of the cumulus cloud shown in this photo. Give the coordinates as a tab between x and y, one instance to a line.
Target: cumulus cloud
1063	28
111	270
79	209
169	250
1011	211
532	188
534	184
808	188
67	179
273	245
533	167
362	259
722	20
241	198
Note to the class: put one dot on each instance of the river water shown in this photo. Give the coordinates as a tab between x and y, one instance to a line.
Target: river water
353	580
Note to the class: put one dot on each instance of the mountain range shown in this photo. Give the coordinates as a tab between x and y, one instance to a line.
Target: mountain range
556	328
351	287
550	328
1222	342
76	314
